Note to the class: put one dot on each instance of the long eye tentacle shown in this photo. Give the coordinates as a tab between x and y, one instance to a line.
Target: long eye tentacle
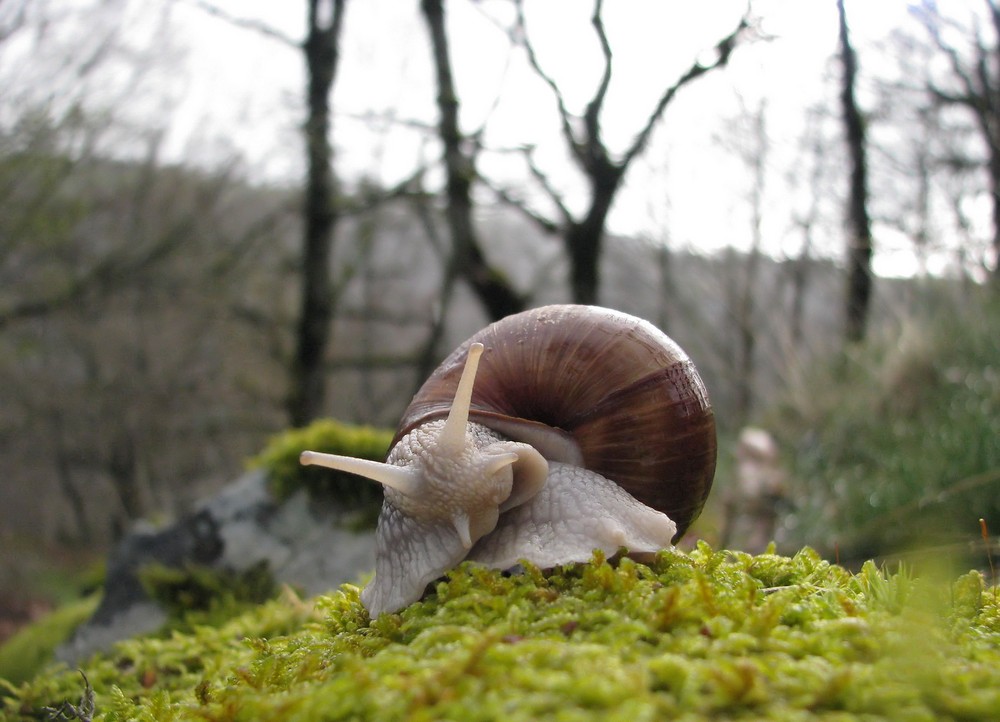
452	438
395	477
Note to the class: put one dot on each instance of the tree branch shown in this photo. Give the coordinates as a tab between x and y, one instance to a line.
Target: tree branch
520	205
592	116
388	118
256	26
931	19
520	36
946	98
724	49
102	277
546	184
360	204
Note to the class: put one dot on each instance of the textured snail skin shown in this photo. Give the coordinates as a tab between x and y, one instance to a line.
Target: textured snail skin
575	512
417	539
545	436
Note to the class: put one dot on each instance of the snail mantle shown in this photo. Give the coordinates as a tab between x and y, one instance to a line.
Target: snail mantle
546	435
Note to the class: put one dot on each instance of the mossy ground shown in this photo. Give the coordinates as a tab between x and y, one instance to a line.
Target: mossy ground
695	635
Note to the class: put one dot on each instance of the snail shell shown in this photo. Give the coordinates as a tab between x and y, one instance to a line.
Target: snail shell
544	436
592	387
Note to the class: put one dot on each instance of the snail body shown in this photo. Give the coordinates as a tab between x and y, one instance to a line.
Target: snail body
546	435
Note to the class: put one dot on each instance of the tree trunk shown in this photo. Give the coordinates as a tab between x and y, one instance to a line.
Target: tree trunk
308	385
995	196
584	239
123	469
491	288
859	252
64	474
754	151
800	281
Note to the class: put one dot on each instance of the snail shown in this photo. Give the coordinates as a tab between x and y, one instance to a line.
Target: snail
545	436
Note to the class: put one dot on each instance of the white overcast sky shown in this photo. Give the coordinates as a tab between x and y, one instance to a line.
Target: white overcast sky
246	90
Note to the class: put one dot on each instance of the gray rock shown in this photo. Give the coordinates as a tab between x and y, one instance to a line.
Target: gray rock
305	543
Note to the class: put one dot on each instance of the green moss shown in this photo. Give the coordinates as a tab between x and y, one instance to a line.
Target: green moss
196	595
691	636
24	654
281	460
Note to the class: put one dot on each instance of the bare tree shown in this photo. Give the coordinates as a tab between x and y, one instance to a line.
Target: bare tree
467	259
859	247
321	50
583	235
307	395
975	81
754	154
812	174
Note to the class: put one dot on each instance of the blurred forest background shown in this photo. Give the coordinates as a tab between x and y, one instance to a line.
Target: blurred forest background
806	196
